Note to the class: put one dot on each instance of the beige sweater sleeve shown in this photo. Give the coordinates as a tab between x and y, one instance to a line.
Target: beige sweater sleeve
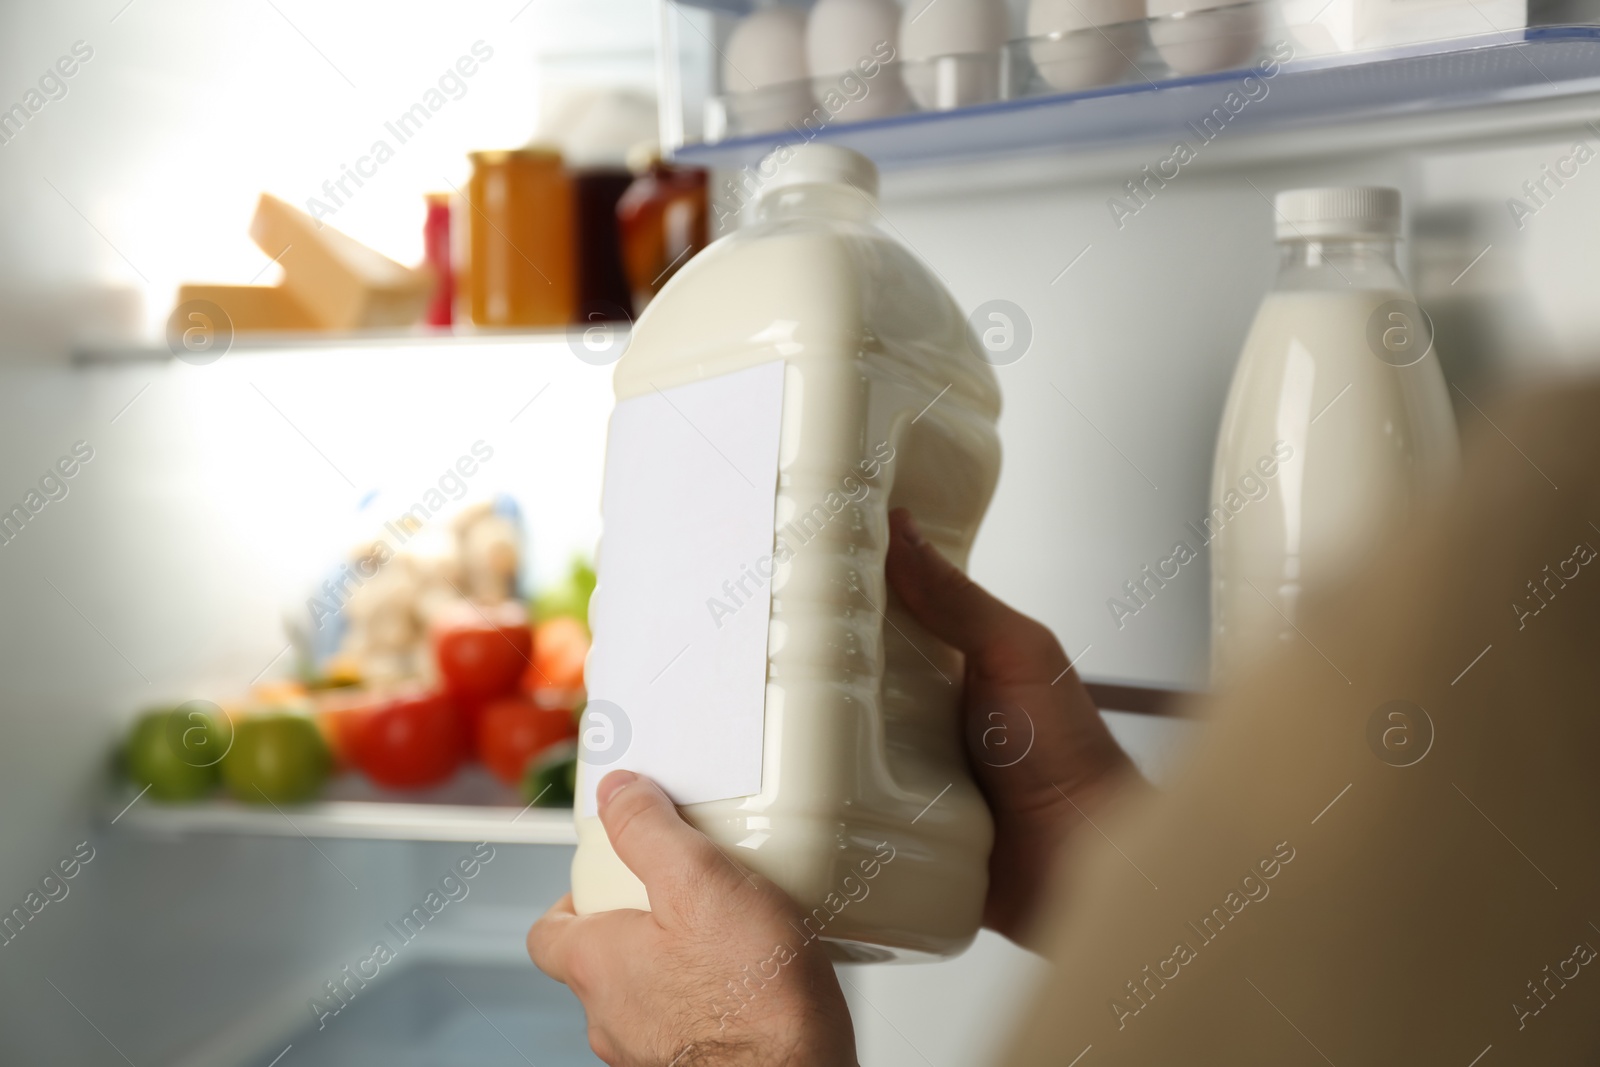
1301	895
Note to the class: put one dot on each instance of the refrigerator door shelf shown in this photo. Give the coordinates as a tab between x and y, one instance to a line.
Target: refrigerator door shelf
1295	77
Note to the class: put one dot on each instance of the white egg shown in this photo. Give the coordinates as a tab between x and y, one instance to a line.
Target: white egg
951	49
1079	44
1199	37
847	42
767	48
764	71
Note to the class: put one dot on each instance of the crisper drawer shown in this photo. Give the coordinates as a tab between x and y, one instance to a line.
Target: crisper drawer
444	1014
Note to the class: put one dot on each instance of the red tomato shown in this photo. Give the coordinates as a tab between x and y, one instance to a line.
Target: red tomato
480	662
559	647
515	729
415	740
342	715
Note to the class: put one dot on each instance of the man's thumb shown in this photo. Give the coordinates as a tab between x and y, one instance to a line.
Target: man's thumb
675	861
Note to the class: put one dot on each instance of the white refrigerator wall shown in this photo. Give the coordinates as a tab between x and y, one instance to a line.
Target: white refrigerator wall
1110	417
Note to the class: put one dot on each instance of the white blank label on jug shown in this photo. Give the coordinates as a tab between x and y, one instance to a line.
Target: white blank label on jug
690	487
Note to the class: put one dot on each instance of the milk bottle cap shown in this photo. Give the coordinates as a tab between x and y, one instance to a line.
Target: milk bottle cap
1351	212
819	164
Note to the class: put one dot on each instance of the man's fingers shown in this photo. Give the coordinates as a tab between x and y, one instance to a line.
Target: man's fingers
961	613
586	952
678	865
550	939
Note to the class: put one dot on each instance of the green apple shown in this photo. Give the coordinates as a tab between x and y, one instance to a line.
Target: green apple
278	758
172	751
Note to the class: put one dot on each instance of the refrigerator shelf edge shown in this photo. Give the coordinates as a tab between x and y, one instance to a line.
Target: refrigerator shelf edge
268	342
1140	699
355	819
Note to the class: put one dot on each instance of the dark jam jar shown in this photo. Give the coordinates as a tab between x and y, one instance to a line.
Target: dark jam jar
603	293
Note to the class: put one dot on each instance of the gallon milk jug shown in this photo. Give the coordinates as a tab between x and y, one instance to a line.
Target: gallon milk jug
786	389
1338	423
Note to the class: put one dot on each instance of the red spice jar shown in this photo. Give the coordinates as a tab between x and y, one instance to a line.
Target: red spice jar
437	254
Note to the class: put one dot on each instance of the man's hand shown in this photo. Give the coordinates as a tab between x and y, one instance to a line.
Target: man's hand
716	973
1040	751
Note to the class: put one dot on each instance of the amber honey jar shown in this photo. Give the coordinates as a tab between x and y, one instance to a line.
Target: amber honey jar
520	244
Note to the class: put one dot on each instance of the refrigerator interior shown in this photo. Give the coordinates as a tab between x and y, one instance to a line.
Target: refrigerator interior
213	489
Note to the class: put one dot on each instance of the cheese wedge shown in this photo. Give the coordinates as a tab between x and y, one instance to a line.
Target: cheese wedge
342	284
252	307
